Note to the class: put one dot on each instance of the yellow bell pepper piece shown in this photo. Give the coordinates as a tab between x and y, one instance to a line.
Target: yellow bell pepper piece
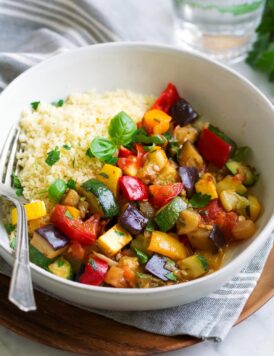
109	175
254	207
34	210
114	240
74	212
167	245
207	185
156	121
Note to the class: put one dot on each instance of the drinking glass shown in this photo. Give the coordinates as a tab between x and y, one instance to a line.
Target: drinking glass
223	29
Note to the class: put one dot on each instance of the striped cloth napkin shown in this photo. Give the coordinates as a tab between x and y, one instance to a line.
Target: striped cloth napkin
33	30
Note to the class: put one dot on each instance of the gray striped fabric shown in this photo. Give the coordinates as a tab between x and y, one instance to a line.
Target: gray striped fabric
32	30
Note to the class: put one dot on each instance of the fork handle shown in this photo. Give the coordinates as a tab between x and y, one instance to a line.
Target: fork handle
21	289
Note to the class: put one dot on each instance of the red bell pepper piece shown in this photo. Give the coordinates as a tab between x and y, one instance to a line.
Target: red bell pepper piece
133	188
213	148
166	99
124	152
132	163
162	194
84	232
95	271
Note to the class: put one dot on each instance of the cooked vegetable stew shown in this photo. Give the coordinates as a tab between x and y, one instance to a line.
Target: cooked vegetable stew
172	195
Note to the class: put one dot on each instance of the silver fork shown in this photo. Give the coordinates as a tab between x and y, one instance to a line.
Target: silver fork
21	288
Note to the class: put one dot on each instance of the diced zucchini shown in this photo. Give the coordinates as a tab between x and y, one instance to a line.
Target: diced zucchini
99	197
233	166
109	175
38	258
61	268
34	210
167	216
207	185
254	208
167	245
249	173
114	240
188	156
195	266
231	183
232	201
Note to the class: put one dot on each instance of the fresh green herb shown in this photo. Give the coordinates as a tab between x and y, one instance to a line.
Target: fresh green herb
89	153
203	262
9	228
148	148
173	148
42	191
13	243
121	129
241	153
102	149
142	257
141	136
67	147
150	226
93	263
69	215
104	175
35	105
168	135
57	189
262	55
120	233
58	103
199	200
53	157
112	160
224	137
71	184
73	162
16	184
60	262
171	276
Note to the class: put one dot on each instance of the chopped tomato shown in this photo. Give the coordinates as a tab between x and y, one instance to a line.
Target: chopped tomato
124	152
76	251
132	163
162	194
166	99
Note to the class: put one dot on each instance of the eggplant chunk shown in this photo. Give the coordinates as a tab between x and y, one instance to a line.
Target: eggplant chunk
49	241
133	220
217	237
71	198
189	176
190	157
156	266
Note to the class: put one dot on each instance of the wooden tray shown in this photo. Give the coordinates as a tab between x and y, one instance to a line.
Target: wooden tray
65	327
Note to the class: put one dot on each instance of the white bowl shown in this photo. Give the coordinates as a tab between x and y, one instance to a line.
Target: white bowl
224	97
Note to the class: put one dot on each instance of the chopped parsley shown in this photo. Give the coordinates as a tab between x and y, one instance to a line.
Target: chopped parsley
9	227
93	264
89	153
60	262
204	262
58	103
171	276
142	257
71	184
199	200
13	243
150	226
111	160
53	157
68	215
35	105
16	184
104	175
168	135
67	147
120	233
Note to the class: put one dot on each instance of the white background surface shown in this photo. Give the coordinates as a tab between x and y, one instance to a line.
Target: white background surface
153	21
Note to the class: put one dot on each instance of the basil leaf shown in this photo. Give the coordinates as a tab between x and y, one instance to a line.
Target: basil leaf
67	147
102	149
71	184
121	129
16	184
35	105
199	200
53	157
58	103
141	136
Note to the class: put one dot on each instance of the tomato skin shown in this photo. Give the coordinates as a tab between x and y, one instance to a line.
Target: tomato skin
124	152
75	229
132	163
162	194
94	272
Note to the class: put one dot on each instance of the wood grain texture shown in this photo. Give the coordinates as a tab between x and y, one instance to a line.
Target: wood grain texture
65	327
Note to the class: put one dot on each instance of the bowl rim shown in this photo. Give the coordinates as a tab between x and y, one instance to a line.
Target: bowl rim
248	251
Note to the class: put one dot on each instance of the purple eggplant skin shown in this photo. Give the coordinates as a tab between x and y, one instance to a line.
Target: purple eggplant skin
217	237
189	176
156	266
183	113
53	236
133	220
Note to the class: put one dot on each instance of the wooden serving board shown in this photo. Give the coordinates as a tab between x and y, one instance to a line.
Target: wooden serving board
65	327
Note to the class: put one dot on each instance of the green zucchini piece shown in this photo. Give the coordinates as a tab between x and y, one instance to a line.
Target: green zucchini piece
38	258
167	216
233	166
249	173
195	266
224	137
61	268
100	198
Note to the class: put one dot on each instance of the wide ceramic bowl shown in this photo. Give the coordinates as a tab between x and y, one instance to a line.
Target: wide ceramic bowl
222	96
